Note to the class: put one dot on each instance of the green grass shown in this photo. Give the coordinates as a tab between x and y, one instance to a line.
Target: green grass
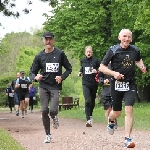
7	142
141	115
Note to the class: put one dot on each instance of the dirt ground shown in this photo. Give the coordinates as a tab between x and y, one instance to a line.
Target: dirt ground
71	135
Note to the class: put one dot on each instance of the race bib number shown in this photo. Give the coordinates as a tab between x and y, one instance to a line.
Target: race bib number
11	94
34	98
88	70
24	86
121	86
52	67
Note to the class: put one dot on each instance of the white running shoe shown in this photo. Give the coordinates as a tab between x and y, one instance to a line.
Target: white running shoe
25	112
47	139
89	123
55	122
91	118
110	128
128	143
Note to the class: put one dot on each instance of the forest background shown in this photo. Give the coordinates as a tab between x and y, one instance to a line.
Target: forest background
77	24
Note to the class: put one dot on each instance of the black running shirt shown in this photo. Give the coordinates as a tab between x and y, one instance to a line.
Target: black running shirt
123	60
50	65
87	65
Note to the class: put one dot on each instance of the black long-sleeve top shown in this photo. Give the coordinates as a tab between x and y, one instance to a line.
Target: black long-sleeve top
87	65
50	65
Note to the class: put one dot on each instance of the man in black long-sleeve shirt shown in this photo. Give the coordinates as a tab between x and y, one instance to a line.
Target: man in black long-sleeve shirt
49	62
89	67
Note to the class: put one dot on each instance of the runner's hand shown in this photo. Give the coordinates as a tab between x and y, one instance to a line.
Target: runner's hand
118	76
143	69
38	77
58	79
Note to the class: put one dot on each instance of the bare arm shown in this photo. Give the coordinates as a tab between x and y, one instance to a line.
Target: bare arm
140	64
107	71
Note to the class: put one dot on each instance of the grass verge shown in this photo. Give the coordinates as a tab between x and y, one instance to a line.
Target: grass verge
141	115
7	142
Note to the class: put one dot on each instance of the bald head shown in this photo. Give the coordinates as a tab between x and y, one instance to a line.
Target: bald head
125	31
18	75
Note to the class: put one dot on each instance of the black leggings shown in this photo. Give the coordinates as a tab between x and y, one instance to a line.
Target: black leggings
89	92
11	102
31	103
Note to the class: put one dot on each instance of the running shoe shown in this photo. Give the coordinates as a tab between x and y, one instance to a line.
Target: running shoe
91	118
55	122
47	139
116	125
25	112
17	113
89	123
110	128
128	143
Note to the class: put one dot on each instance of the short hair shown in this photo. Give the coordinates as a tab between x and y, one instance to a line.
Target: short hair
88	47
125	30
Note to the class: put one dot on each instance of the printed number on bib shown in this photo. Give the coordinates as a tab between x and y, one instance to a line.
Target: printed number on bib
52	67
121	86
24	86
11	94
88	70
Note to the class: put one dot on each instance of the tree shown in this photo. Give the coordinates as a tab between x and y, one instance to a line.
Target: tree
97	23
10	49
6	7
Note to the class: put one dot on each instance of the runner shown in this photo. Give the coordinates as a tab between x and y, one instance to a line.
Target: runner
32	92
50	62
23	84
16	94
10	96
107	102
123	58
88	71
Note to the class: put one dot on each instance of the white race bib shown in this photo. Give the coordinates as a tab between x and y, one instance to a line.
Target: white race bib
11	94
24	86
88	70
121	86
52	67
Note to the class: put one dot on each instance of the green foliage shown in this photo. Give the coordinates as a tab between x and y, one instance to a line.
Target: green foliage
10	47
77	24
25	58
7	142
3	85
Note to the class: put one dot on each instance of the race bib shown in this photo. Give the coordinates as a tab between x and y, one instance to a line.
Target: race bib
121	86
11	94
24	86
88	70
34	98
52	67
